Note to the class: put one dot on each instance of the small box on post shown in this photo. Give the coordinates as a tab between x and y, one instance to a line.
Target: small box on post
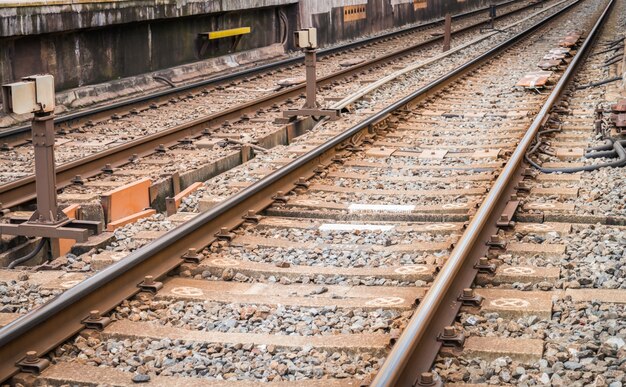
34	94
306	39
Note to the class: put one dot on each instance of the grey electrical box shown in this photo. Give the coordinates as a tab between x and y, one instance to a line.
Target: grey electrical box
34	94
306	38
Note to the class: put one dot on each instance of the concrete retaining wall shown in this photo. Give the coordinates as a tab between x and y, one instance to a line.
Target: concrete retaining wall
328	15
81	46
85	42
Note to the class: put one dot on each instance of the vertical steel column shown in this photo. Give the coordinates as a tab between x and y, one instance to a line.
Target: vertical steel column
492	16
311	78
45	170
447	32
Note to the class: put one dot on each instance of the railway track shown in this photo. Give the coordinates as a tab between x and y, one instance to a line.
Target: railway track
351	236
244	109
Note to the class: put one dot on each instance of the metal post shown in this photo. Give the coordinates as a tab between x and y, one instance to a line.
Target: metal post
492	15
45	171
310	57
447	32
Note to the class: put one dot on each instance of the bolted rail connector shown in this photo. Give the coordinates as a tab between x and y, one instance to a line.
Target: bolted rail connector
78	179
469	298
280	197
96	321
32	364
320	169
191	256
252	217
224	234
150	285
496	242
302	183
484	267
108	168
429	379
451	338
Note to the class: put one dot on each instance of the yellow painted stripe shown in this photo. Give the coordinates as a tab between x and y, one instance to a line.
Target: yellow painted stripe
227	33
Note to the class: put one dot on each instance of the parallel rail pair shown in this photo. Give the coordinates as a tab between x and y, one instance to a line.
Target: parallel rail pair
45	328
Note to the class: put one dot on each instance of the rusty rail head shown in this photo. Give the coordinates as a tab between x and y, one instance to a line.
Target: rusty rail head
408	357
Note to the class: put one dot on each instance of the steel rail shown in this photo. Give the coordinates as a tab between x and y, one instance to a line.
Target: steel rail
73	118
44	328
23	190
416	348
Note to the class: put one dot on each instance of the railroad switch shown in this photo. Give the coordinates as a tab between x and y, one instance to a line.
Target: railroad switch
484	267
191	256
451	338
32	364
429	379
96	321
150	285
469	298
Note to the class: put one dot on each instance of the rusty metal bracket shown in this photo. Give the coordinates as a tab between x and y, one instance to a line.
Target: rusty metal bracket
252	217
225	235
506	219
150	285
32	364
470	298
191	256
496	242
302	183
96	321
429	379
484	267
451	338
280	197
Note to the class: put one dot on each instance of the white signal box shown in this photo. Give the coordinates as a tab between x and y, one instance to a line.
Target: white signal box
34	94
306	38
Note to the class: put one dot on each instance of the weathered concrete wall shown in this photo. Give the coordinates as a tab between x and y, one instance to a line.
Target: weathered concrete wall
85	42
34	17
328	15
87	56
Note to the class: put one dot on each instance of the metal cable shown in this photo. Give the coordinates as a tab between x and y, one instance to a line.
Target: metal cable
30	255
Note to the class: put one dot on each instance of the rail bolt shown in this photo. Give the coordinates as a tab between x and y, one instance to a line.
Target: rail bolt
150	285
469	298
191	256
96	321
32	363
428	379
496	241
252	217
483	266
225	234
280	197
451	338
